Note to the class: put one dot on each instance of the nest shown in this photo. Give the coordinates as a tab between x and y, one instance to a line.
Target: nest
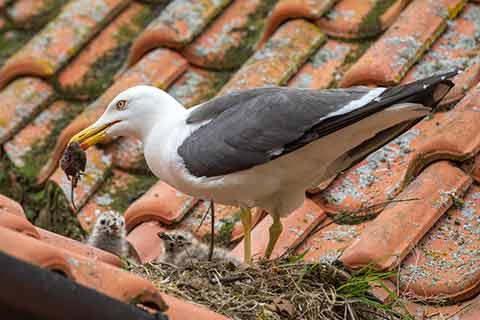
279	289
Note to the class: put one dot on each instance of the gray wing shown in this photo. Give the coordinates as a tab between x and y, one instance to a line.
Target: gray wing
252	127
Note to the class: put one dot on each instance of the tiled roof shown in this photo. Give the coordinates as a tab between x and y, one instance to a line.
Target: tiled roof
62	61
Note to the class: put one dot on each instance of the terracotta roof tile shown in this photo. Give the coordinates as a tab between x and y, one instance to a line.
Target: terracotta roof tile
116	194
29	148
382	243
445	262
17	223
146	244
296	227
330	240
288	9
279	58
21	100
383	174
176	25
476	169
52	47
159	68
81	76
107	279
22	11
408	38
77	247
230	39
323	69
161	203
98	164
179	308
357	19
11	206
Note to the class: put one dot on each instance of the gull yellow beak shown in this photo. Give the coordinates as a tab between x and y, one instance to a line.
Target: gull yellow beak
91	135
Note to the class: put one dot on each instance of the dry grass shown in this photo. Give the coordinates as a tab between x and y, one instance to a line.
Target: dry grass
287	288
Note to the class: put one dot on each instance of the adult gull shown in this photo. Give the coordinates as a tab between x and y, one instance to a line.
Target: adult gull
263	147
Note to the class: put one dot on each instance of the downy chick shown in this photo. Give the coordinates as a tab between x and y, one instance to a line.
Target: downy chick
181	247
109	234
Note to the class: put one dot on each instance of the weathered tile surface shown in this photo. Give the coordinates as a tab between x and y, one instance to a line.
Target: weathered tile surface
21	100
358	19
52	47
324	68
409	37
231	38
382	243
92	71
279	58
176	25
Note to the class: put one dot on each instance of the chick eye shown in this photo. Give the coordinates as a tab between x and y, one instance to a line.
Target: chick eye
121	105
103	221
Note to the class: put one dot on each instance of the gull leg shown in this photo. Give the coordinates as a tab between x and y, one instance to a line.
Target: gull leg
275	231
246	218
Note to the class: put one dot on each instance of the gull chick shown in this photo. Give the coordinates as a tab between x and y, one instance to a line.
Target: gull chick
181	247
263	147
109	234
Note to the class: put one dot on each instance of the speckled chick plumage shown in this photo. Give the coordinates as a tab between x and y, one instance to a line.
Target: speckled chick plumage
109	234
182	248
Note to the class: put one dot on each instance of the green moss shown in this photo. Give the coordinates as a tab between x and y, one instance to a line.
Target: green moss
49	11
224	236
55	214
371	24
237	55
39	153
123	197
101	73
11	41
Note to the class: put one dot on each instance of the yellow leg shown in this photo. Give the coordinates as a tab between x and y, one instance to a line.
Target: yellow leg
275	231
246	217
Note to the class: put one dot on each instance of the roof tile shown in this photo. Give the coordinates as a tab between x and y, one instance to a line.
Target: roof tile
383	174
476	169
353	19
22	12
107	279
176	25
97	168
17	223
116	193
288	9
84	76
296	227
161	203
52	47
158	68
453	50
11	206
230	39
279	58
445	263
77	247
21	100
409	37
382	243
146	244
324	68
179	308
329	241
29	149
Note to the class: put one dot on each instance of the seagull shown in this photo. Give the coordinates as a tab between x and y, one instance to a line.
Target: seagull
263	147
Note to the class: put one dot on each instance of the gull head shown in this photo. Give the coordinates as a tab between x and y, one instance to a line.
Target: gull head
133	112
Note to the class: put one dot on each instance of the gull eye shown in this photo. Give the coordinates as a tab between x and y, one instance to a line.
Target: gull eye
121	105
